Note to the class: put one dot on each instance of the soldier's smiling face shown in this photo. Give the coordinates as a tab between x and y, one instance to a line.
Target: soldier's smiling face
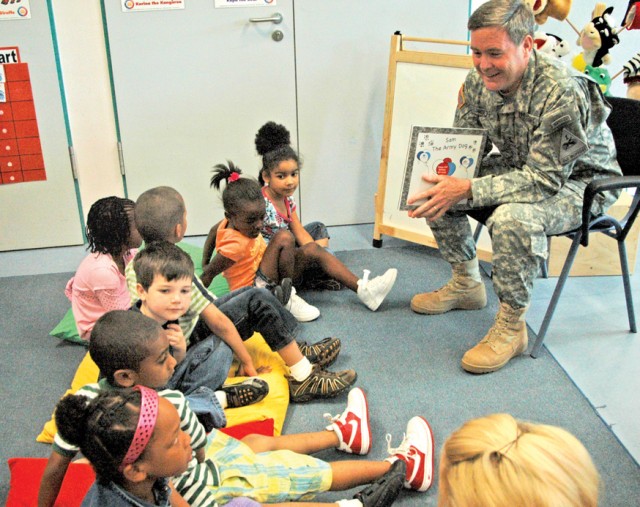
499	61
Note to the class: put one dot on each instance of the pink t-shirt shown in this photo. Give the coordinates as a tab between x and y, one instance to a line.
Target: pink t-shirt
97	287
246	252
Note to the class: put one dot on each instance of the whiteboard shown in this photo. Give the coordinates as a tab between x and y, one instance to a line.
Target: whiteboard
422	89
425	95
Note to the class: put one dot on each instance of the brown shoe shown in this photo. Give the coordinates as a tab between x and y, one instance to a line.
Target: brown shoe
320	384
507	338
461	293
323	353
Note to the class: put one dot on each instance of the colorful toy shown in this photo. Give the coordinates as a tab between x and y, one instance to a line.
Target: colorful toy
632	77
601	76
543	9
596	39
632	16
551	45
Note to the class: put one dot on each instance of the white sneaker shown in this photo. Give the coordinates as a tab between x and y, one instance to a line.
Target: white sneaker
373	292
300	309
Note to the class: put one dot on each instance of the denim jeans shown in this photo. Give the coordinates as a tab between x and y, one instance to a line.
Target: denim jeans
317	230
203	371
208	358
254	310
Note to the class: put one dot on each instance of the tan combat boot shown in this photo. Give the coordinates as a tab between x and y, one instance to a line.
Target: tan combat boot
462	292
506	338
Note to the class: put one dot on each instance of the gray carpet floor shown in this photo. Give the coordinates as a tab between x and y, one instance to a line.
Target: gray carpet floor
407	363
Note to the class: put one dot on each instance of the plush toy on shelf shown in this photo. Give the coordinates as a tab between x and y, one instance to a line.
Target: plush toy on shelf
551	45
543	9
596	39
601	76
632	77
632	16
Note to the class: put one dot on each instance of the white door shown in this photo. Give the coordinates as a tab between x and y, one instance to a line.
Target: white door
342	52
192	87
41	212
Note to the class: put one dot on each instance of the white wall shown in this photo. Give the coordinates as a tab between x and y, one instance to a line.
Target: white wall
88	92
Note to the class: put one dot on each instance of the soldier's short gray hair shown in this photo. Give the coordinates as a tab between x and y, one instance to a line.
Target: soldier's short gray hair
514	16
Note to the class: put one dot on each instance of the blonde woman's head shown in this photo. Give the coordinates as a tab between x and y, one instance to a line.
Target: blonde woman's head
497	461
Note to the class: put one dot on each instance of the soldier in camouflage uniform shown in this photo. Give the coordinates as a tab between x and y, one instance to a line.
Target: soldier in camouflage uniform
548	123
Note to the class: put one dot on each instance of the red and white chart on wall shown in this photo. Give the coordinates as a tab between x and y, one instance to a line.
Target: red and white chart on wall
20	150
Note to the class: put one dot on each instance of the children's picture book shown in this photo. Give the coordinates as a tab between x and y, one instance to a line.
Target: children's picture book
437	150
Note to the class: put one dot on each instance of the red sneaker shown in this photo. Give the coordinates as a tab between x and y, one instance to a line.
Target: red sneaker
352	427
416	450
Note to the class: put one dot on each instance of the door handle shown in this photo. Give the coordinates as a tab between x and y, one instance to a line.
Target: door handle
276	18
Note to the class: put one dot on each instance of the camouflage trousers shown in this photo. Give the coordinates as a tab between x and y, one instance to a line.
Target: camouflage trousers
518	234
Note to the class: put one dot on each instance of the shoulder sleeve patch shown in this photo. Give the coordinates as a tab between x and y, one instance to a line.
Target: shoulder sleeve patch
461	96
571	146
564	131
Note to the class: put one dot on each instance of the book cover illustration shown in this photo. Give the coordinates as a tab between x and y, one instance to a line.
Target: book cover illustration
444	151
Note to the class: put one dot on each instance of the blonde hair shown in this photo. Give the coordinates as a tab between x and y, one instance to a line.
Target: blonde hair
497	461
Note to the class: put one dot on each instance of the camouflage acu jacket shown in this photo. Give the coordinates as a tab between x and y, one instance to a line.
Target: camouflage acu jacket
551	133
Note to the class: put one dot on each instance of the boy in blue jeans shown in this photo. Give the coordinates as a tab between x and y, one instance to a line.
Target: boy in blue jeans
164	273
161	216
131	349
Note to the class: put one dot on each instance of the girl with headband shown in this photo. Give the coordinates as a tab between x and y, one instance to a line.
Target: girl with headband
134	443
132	438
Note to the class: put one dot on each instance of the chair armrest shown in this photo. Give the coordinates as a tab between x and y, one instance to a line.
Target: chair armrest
597	187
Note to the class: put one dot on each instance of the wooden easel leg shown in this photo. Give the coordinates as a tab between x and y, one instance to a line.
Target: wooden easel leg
377	237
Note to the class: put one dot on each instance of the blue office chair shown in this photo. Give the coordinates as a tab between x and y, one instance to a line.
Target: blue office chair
624	122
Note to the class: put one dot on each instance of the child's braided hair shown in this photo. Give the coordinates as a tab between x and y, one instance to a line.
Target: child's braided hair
102	428
109	225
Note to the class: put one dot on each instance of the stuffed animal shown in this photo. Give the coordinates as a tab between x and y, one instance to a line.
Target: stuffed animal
596	39
601	76
632	77
632	16
543	9
551	45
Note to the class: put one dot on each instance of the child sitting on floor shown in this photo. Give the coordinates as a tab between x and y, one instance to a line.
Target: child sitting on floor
99	284
133	440
131	349
164	273
244	258
161	216
497	461
280	177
